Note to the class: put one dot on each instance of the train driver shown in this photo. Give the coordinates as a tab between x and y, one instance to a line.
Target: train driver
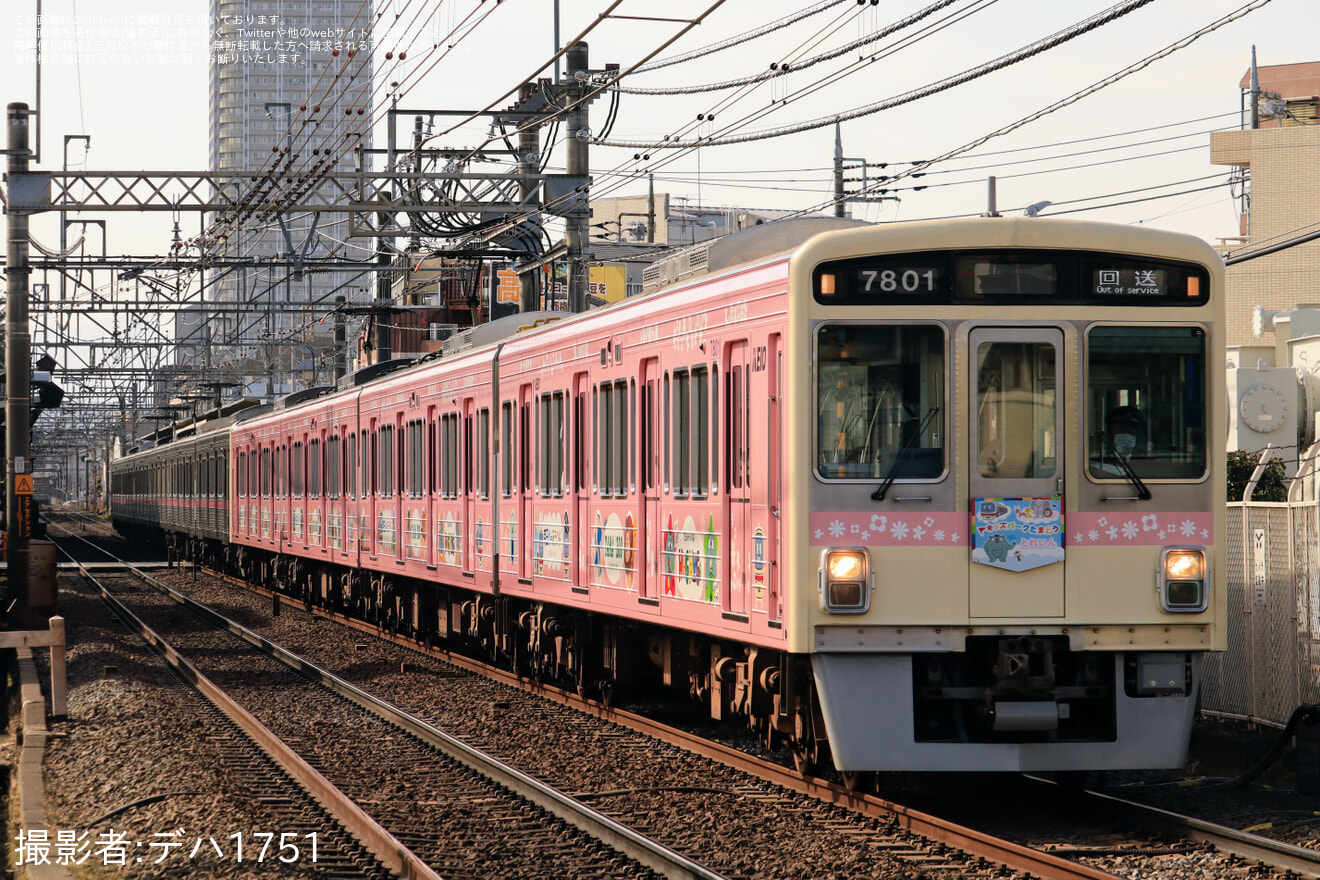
1120	440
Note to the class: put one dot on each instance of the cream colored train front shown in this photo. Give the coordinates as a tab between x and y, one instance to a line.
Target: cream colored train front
1005	519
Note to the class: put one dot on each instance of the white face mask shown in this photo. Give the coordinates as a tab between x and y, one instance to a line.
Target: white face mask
1125	443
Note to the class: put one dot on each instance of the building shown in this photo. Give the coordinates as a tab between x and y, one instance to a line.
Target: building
285	73
1280	162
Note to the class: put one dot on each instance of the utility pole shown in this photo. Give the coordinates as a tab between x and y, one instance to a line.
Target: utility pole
650	209
578	218
18	367
341	339
838	172
529	163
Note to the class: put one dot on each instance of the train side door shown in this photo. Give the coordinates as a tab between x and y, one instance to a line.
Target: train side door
526	506
469	488
1015	456
648	534
578	469
765	549
738	552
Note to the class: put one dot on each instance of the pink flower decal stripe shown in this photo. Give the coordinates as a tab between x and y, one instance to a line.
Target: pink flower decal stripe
1136	528
891	530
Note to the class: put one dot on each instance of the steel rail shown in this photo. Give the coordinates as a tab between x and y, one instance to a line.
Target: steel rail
1275	853
625	840
1018	858
392	854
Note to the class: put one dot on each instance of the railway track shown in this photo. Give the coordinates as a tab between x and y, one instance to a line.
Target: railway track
450	811
867	822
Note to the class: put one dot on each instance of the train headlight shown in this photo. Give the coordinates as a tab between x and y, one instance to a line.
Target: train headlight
845	580
1183	588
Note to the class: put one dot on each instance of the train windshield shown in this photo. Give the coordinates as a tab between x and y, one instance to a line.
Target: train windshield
1146	402
880	398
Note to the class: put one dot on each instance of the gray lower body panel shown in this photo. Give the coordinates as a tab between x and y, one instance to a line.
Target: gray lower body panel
866	700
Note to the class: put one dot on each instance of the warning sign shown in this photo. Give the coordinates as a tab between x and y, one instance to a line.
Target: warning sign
22	484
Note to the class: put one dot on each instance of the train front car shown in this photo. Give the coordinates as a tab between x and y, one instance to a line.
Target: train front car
1005	509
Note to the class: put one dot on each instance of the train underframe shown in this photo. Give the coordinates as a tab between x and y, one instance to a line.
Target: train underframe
1009	702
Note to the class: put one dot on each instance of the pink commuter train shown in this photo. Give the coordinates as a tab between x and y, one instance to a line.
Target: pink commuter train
926	496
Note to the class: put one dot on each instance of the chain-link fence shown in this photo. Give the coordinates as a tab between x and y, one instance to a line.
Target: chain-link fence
1273	659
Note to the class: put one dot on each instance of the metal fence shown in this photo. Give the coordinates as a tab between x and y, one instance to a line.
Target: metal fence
1272	664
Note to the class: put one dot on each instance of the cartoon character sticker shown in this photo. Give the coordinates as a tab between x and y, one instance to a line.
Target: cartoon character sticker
1017	534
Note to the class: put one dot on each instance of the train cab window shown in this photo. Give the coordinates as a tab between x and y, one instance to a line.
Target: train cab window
1016	409
1146	402
880	392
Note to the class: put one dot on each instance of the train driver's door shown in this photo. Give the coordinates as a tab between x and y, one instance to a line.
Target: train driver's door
1016	448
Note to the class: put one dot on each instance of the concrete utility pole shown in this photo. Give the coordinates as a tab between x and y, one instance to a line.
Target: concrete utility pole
579	218
18	367
529	163
838	172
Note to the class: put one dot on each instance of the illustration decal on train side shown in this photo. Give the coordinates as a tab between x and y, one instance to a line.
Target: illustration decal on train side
265	523
448	537
1017	534
629	551
386	532
416	527
550	545
335	530
511	536
479	542
297	523
691	560
612	552
314	528
242	518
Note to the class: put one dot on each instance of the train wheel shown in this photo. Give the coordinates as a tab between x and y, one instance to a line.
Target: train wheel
607	693
804	760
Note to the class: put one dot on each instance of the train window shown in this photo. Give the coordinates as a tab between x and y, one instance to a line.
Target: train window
351	465
875	386
506	449
416	459
699	480
333	466
632	432
315	468
714	428
371	470
432	450
467	455
682	442
1016	401
613	424
552	443
449	455
299	469
734	438
385	478
664	396
1146	402
483	451
266	472
242	475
